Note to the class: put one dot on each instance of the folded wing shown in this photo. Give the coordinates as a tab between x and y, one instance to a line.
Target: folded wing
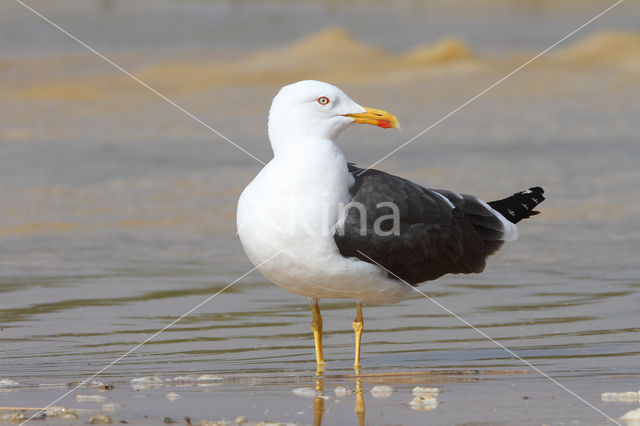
427	234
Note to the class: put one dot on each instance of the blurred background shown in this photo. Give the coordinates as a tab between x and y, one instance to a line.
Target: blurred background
117	210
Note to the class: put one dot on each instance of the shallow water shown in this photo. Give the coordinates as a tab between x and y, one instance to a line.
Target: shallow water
118	211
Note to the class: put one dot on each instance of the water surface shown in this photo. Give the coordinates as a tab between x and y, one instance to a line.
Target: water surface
118	211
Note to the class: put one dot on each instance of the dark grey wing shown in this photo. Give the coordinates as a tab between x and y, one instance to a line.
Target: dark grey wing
435	232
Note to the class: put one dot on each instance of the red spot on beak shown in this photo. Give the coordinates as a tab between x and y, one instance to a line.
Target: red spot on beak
384	124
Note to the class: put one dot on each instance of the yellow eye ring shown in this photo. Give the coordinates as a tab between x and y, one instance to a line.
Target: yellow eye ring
323	100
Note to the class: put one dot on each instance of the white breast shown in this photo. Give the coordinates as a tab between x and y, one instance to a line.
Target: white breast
290	210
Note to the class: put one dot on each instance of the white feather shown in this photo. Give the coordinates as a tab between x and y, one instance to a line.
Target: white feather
293	205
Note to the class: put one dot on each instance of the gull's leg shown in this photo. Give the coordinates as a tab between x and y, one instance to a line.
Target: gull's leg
316	326
358	326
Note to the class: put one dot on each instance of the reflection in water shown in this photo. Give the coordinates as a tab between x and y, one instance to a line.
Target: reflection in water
318	402
359	404
424	398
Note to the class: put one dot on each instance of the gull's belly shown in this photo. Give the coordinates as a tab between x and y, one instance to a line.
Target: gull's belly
286	224
290	241
316	269
305	260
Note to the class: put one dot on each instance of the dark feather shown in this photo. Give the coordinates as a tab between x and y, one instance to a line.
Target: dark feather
520	205
434	238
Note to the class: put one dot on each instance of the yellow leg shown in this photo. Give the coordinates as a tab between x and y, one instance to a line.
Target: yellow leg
358	326
316	326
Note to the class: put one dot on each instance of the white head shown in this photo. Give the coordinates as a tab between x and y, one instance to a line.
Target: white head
314	109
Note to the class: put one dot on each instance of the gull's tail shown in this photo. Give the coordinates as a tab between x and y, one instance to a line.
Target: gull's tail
520	205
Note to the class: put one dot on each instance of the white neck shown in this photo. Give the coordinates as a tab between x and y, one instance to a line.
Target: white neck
317	165
314	179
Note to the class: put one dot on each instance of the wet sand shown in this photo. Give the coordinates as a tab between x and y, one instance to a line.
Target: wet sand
118	212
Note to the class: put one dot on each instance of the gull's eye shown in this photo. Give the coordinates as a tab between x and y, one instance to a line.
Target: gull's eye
323	100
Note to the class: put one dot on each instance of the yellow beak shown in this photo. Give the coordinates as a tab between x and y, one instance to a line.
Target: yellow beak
377	117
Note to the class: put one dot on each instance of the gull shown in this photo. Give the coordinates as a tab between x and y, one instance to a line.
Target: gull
319	226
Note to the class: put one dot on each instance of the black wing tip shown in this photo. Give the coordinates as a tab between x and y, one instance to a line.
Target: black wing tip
520	205
534	190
